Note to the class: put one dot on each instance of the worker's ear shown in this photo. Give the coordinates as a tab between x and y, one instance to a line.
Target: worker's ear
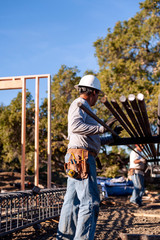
94	92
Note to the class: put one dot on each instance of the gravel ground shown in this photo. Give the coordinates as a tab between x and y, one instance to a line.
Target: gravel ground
116	215
119	217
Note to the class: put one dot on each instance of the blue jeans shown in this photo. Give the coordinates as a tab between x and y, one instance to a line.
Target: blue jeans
138	191
80	209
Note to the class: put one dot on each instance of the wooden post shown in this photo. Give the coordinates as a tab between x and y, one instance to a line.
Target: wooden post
19	82
23	133
158	125
49	170
36	180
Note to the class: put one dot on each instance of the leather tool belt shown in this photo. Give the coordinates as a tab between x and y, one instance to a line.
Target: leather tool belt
133	171
78	163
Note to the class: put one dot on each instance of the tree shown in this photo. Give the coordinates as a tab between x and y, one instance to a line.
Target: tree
129	56
129	59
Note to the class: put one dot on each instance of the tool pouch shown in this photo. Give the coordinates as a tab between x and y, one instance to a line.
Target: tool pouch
78	163
130	173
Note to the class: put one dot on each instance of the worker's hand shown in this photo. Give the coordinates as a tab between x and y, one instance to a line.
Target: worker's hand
118	129
143	160
102	129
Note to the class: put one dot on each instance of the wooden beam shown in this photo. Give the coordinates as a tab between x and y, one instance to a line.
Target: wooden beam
10	84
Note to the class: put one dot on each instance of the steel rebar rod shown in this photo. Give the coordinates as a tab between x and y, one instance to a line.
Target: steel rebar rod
123	116
142	107
140	98
130	113
109	106
133	102
96	118
132	117
116	115
143	119
125	119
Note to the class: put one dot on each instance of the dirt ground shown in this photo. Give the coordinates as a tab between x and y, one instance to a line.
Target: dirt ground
120	216
116	216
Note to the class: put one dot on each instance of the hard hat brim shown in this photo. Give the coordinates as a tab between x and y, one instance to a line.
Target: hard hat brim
76	87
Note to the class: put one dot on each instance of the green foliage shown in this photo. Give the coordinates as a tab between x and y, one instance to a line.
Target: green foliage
111	171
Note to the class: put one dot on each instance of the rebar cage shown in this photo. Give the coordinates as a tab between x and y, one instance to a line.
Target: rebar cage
22	209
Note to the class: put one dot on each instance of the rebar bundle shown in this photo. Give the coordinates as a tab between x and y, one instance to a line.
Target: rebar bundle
133	117
22	209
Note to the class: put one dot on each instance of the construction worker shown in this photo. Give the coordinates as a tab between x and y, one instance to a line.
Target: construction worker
136	172
81	202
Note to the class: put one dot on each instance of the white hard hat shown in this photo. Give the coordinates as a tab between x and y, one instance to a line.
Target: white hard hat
89	81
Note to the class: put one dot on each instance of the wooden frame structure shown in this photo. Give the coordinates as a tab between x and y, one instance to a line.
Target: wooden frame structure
19	82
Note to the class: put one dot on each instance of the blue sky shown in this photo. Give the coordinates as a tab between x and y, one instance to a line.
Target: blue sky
38	36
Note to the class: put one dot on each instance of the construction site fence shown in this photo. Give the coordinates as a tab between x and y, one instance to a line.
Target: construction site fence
19	210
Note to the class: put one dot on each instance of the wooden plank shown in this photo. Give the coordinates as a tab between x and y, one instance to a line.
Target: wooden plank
145	215
10	84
